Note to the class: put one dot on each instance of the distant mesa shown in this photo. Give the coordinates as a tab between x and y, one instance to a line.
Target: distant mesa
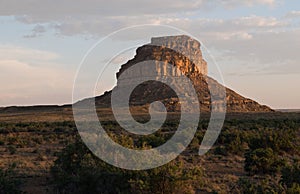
184	53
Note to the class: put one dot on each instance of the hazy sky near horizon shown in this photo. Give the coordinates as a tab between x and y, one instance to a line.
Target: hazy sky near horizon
255	43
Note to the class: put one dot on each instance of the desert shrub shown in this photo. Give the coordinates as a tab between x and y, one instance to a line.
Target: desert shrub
263	161
12	149
61	129
151	140
246	186
8	183
294	189
11	140
195	143
37	139
232	141
2	142
277	139
77	170
291	175
221	150
267	148
173	177
252	186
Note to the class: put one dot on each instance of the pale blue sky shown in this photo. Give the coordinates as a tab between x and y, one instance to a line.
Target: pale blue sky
255	43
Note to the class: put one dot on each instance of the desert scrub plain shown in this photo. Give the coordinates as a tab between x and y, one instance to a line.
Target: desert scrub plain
255	153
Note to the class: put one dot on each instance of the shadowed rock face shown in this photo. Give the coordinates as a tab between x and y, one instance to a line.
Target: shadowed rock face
185	57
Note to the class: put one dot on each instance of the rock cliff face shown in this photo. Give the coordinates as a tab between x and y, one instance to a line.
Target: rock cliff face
185	57
185	45
180	51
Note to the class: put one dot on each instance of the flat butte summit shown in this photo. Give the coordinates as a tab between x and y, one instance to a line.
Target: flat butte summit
184	55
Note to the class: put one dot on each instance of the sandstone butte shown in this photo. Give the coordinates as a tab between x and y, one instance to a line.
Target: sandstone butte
184	53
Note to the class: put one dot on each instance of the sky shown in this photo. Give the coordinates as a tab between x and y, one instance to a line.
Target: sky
255	43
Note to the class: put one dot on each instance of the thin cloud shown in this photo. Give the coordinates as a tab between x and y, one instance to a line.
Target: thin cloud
249	3
12	52
37	31
30	76
50	9
293	14
21	83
